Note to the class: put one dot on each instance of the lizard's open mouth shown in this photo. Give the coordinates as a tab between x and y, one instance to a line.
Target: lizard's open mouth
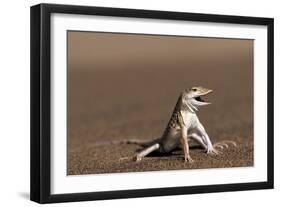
199	98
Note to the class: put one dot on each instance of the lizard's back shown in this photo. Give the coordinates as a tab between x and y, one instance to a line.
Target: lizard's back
171	136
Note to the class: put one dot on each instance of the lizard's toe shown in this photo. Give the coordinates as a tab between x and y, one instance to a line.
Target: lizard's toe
220	145
224	144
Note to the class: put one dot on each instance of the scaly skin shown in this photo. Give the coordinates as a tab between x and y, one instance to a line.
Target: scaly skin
183	120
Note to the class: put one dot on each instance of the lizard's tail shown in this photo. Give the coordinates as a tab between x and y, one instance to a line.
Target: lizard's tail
139	142
132	141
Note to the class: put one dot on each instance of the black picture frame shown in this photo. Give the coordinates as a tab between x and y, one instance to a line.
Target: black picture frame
41	99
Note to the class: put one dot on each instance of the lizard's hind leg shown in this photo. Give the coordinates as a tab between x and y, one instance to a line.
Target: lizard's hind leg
198	139
146	151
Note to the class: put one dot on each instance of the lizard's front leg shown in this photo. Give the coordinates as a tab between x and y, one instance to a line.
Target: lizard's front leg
185	145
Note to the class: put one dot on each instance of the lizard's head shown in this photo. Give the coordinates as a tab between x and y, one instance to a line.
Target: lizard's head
193	97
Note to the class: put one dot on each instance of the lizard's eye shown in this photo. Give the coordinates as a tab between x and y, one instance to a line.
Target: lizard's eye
194	89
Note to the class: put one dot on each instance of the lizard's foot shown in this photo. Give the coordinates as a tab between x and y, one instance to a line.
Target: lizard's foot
224	144
213	151
137	158
221	145
188	159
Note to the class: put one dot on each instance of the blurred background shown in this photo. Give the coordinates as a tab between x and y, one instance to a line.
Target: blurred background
125	86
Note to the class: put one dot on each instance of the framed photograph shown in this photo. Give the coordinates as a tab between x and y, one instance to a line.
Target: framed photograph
132	103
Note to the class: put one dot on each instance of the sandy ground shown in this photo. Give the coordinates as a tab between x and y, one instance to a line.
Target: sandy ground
133	98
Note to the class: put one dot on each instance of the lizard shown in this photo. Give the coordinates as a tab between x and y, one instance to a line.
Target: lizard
184	120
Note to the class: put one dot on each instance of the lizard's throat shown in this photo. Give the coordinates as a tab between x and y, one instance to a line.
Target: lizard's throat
191	107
